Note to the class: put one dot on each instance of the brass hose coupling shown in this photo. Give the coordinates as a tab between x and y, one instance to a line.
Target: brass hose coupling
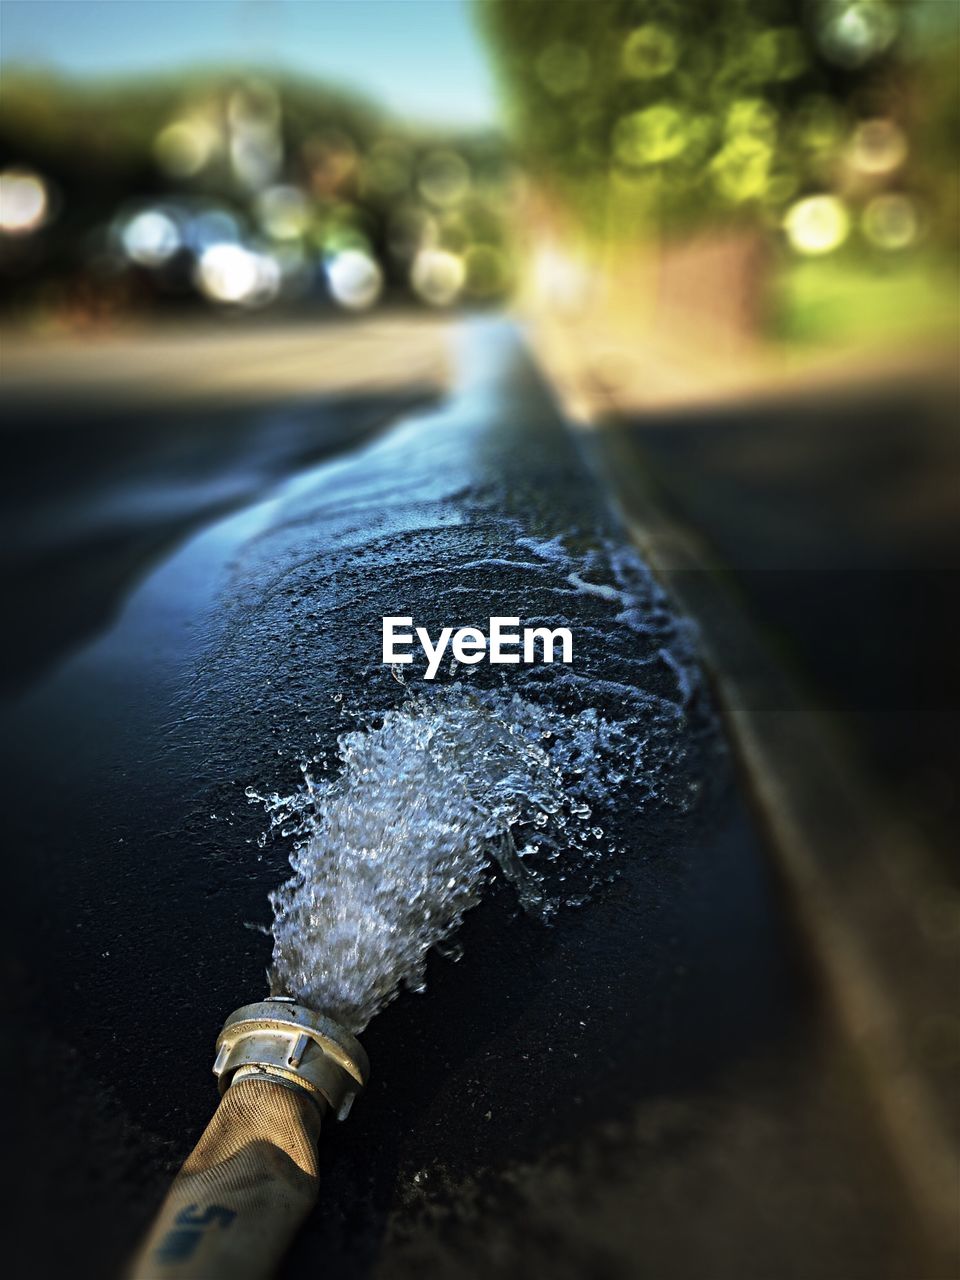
281	1040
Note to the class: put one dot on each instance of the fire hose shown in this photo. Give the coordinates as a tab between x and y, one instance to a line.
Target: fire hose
252	1178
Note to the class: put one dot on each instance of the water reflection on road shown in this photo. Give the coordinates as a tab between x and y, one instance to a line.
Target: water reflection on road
232	664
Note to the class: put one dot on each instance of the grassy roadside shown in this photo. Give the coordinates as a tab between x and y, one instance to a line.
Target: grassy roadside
846	300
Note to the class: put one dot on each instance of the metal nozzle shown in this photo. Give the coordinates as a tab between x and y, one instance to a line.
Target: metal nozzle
284	1041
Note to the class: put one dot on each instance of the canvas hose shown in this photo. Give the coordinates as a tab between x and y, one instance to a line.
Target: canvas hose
241	1194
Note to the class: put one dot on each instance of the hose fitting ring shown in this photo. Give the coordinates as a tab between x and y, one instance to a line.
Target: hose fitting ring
281	1040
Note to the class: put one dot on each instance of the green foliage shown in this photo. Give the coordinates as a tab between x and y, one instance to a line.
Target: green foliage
111	126
672	112
843	299
290	168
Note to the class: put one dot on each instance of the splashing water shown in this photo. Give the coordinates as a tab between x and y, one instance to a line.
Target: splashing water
399	846
453	786
460	783
556	777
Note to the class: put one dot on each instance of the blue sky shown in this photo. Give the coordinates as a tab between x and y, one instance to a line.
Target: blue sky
421	58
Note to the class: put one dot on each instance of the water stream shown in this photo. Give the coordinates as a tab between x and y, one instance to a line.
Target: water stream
396	833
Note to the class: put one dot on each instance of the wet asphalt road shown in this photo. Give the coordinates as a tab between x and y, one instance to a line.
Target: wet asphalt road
834	516
91	499
615	1095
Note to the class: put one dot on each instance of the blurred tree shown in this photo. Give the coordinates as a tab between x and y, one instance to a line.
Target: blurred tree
290	169
673	113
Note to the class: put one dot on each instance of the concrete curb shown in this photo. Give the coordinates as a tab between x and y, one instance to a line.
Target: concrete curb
877	917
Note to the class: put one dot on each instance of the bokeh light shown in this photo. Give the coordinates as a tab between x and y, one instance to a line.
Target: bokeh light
649	52
355	279
151	238
24	202
651	136
438	276
854	33
284	212
878	147
230	273
185	147
244	189
817	224
890	221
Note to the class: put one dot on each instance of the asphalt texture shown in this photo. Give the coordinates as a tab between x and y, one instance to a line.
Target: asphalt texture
835	517
647	1087
92	497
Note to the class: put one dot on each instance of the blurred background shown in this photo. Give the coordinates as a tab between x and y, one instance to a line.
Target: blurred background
774	168
693	205
247	156
235	238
